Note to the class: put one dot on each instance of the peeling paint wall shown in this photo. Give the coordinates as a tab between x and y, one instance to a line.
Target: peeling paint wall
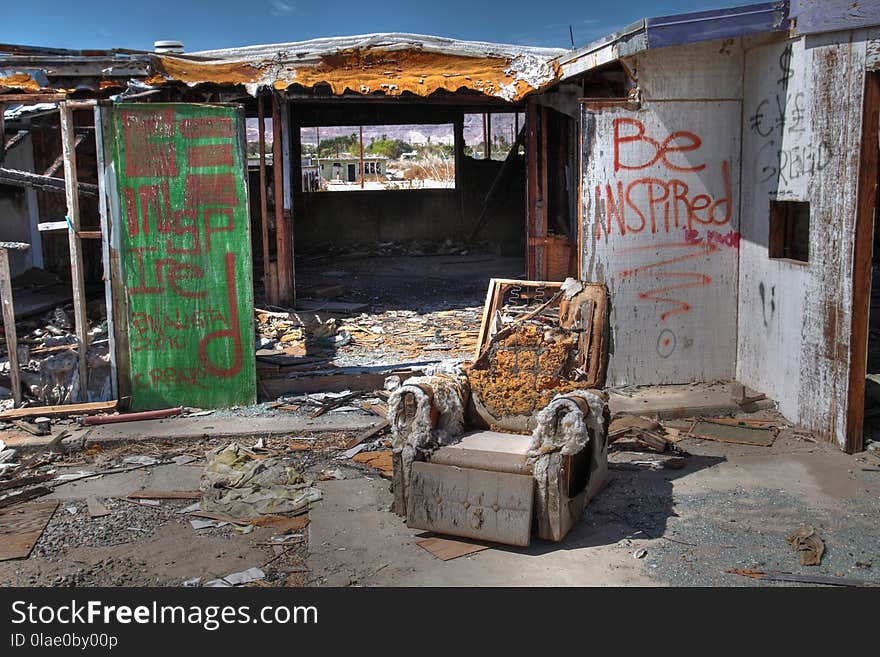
801	141
661	215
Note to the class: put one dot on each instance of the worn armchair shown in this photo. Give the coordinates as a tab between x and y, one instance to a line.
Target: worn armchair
515	442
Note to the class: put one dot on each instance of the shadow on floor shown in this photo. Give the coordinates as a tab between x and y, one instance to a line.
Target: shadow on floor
634	504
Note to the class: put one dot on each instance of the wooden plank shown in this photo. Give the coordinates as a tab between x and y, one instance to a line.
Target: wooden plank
77	275
493	506
19	532
24	496
269	282
21	482
728	433
283	255
60	410
9	326
104	234
862	265
381	461
447	548
31	99
28	179
367	434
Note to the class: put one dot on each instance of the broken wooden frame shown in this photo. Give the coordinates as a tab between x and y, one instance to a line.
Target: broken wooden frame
9	316
72	188
585	311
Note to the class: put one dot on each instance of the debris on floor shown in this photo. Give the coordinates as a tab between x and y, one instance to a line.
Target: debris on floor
743	432
237	579
47	356
779	576
239	483
21	527
446	549
380	461
638	434
808	544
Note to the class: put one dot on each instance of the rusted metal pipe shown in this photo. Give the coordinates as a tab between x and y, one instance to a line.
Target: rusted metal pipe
132	417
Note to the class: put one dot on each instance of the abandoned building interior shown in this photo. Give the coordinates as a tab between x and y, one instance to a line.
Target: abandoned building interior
189	232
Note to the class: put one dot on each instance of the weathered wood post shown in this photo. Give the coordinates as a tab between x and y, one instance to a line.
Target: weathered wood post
9	315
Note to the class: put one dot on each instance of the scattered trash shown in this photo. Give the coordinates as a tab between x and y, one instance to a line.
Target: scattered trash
235	579
183	459
810	546
336	473
635	433
236	483
140	460
192	582
72	509
199	523
640	554
189	509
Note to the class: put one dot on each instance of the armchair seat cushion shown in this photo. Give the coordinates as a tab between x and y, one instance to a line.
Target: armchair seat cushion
487	450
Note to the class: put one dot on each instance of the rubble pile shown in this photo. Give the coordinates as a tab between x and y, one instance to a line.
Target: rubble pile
48	358
389	337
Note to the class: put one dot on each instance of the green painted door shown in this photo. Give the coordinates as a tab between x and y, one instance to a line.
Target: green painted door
184	244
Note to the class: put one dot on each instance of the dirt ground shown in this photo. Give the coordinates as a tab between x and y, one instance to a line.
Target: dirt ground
730	506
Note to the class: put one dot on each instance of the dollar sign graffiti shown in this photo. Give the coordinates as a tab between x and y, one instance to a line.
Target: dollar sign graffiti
785	67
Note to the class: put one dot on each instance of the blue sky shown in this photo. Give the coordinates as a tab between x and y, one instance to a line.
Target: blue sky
203	24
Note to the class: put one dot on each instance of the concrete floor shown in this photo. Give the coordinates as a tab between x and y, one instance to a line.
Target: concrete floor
730	506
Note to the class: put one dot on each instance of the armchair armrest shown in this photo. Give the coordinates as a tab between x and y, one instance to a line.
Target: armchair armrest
569	422
425	413
569	456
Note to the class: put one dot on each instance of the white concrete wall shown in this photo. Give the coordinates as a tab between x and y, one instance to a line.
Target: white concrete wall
661	215
801	140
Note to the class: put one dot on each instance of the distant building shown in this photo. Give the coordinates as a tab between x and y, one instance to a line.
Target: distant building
346	168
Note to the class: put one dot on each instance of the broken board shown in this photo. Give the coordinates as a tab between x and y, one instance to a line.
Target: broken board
733	433
185	251
21	527
447	548
489	506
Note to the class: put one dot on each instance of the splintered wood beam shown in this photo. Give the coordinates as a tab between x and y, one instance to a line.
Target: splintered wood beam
28	179
68	143
53	168
9	324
